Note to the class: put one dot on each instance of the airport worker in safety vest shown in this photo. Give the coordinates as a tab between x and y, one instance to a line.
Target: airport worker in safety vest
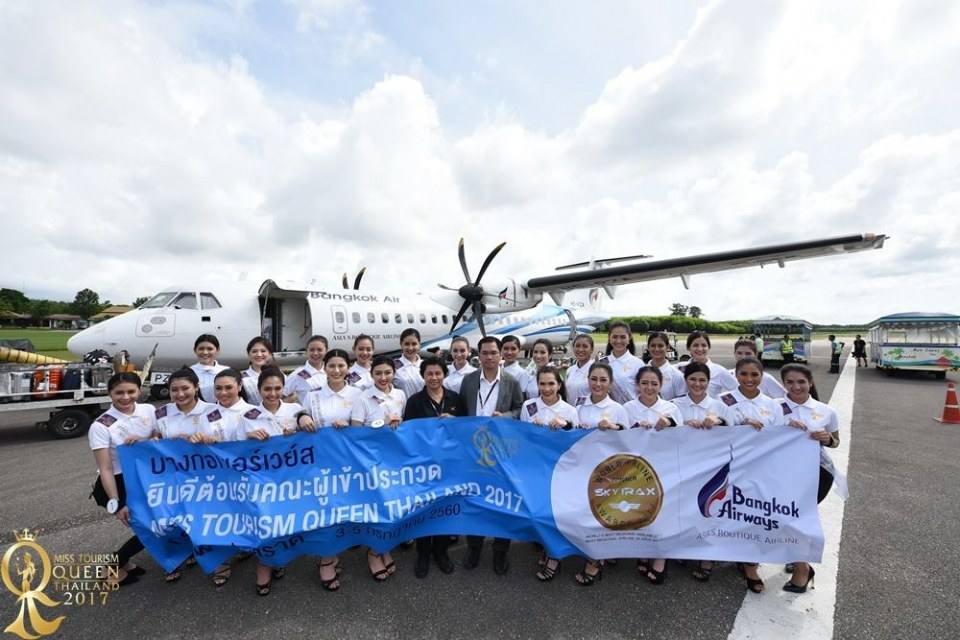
786	349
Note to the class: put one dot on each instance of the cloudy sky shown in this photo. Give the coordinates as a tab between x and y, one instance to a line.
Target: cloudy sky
147	143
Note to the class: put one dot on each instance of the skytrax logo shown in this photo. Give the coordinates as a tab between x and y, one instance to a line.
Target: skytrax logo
740	506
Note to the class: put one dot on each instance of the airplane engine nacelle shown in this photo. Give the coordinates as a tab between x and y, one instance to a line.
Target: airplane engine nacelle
504	295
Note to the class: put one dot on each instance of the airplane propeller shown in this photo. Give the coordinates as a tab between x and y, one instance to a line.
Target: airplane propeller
356	282
472	293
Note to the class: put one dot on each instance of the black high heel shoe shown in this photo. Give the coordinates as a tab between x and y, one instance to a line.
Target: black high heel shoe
657	577
797	588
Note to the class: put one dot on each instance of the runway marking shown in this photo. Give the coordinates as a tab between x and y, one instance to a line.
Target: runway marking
776	613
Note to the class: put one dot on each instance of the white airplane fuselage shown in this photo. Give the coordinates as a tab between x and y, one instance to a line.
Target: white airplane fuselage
289	316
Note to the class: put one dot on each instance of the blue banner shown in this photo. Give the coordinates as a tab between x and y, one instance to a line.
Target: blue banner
633	493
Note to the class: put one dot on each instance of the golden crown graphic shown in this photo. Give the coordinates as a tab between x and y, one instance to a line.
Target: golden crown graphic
25	536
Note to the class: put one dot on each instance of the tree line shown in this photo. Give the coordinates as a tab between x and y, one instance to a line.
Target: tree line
86	303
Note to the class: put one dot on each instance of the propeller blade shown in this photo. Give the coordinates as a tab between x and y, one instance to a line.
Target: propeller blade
346	285
463	261
478	316
486	263
446	288
356	283
456	319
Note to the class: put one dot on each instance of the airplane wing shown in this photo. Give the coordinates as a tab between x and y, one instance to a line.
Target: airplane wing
683	268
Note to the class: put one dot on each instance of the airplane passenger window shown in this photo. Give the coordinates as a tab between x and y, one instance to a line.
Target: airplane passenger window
423	318
159	300
444	318
433	318
208	300
398	318
355	316
371	317
185	301
409	318
385	317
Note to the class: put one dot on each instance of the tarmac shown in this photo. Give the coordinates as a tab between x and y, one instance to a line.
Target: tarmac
894	578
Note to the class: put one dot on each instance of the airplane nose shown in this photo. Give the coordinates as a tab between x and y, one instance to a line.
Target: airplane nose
86	340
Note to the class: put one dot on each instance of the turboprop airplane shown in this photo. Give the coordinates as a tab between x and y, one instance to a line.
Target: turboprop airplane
289	312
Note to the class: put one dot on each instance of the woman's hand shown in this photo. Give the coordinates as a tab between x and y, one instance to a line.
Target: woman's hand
340	424
662	423
823	437
258	434
796	424
710	421
289	432
123	515
495	414
605	424
306	423
756	424
557	423
132	440
393	420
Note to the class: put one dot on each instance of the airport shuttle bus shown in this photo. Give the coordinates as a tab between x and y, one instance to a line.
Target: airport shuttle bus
773	328
917	342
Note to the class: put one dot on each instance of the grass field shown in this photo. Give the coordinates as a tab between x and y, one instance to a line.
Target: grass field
49	342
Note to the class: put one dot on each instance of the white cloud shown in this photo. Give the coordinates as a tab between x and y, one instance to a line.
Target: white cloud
138	158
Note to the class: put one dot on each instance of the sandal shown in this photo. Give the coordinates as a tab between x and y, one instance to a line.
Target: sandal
642	566
702	573
333	583
136	570
190	562
585	578
391	566
753	584
278	572
382	574
548	573
657	577
264	589
221	575
173	576
543	559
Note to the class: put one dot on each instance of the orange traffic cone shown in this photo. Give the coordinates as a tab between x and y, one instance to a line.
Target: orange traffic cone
951	411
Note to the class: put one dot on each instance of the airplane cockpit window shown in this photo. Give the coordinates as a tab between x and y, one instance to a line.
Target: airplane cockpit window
208	300
185	301
159	300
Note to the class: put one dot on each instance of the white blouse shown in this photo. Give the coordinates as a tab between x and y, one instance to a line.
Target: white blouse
640	415
327	406
374	407
590	414
285	419
113	427
536	411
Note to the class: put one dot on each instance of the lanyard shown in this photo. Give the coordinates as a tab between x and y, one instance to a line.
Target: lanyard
436	406
483	402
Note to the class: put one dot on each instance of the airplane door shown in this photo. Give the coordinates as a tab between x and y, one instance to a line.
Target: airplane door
339	314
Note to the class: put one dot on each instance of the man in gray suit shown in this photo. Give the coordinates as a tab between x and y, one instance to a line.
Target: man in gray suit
489	392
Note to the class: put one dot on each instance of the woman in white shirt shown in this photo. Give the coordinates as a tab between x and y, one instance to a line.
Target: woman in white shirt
460	350
408	376
260	354
125	422
510	350
748	406
698	345
801	411
310	376
541	352
623	362
332	405
187	416
272	418
207	348
658	345
769	386
382	404
549	409
359	374
598	410
650	411
575	380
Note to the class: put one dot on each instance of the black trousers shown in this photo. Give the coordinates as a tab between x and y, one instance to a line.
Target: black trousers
133	546
835	363
826	481
432	544
787	358
499	544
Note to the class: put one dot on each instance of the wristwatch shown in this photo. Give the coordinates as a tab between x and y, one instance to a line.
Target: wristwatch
113	505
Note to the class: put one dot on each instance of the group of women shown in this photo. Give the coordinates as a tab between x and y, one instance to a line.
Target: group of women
212	403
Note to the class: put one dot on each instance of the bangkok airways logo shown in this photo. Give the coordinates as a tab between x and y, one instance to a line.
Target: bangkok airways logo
715	490
740	506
